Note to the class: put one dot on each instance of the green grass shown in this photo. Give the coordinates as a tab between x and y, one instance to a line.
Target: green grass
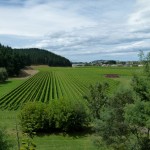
76	141
9	85
124	81
64	142
66	80
53	83
8	121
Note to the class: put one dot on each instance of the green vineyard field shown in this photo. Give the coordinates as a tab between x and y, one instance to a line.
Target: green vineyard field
56	83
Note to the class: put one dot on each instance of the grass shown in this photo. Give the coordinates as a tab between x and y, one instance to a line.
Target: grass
9	85
124	80
53	83
76	141
8	121
84	75
64	142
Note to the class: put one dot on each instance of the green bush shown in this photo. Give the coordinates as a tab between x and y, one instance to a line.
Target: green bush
3	74
59	115
67	115
33	117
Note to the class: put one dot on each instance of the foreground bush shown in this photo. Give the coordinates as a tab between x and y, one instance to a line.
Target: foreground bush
67	115
5	142
33	117
59	115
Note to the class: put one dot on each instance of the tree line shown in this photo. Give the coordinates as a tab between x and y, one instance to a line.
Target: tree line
15	59
43	57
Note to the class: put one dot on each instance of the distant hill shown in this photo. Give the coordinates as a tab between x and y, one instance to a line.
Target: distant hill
43	57
15	59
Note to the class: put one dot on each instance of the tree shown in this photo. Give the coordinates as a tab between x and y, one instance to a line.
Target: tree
145	60
97	98
125	119
141	87
3	74
111	127
137	115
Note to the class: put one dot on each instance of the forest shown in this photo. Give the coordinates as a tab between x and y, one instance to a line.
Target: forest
15	59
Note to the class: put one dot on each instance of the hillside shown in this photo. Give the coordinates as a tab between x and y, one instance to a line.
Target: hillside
43	57
15	59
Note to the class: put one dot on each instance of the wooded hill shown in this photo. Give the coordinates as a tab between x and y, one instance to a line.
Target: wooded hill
15	59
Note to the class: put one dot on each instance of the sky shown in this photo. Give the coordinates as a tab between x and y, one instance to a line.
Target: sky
80	30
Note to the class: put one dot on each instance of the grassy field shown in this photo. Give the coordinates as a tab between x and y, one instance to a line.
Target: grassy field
53	83
9	85
8	120
67	142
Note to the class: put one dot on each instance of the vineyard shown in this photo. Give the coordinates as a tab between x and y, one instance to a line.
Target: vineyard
52	84
56	83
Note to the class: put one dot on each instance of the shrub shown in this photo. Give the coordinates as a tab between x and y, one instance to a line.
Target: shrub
3	74
66	115
33	117
60	115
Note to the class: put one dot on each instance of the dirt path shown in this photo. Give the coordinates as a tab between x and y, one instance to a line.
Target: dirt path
26	73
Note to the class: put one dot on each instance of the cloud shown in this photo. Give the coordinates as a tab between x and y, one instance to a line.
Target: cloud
83	30
35	18
79	42
139	20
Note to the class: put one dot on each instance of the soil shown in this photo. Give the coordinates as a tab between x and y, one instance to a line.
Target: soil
111	75
26	73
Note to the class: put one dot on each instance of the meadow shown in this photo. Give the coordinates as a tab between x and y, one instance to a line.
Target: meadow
53	83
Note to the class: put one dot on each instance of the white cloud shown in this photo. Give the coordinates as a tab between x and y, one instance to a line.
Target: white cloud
139	20
38	19
81	30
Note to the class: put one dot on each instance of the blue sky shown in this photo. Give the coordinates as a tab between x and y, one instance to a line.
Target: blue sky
81	30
